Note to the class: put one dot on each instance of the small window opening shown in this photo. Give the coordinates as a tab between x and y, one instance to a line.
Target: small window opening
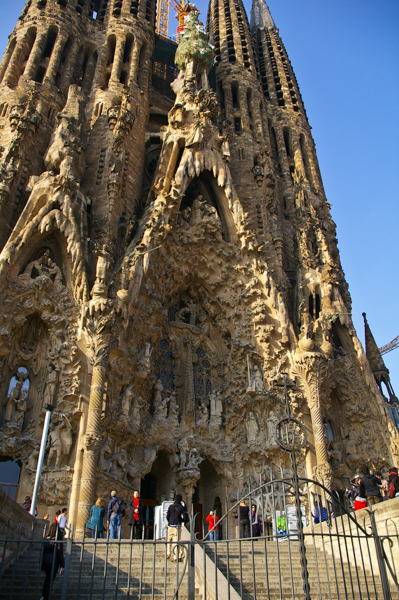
286	135
234	91
237	124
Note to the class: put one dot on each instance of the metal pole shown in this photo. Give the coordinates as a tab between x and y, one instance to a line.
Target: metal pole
49	408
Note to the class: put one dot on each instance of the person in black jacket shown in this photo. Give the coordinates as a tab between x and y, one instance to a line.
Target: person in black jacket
243	519
371	485
136	515
53	558
174	518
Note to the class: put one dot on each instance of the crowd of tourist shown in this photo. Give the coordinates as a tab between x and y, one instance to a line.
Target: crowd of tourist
369	488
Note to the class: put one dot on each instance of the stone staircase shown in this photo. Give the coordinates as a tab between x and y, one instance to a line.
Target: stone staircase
98	571
272	570
259	569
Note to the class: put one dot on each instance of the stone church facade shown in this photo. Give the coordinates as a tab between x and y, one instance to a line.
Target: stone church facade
167	254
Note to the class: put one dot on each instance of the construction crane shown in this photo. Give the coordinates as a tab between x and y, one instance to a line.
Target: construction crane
162	23
389	347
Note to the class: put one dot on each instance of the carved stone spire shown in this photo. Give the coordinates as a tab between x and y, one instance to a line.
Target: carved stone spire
261	16
380	371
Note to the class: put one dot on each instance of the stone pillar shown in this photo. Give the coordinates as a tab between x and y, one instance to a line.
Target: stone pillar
92	442
134	64
228	103
35	56
257	120
118	59
90	69
244	108
69	67
77	473
311	370
55	59
16	59
101	66
6	59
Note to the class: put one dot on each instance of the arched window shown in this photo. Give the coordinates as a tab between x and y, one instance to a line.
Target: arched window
202	374
165	365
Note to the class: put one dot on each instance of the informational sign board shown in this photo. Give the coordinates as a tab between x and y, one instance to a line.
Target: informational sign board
160	522
286	522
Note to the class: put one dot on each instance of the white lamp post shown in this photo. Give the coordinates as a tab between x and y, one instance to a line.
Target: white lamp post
49	408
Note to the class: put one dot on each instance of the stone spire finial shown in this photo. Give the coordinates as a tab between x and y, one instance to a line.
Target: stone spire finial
260	15
372	352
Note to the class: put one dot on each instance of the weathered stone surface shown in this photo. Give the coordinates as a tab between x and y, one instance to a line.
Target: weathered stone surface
167	253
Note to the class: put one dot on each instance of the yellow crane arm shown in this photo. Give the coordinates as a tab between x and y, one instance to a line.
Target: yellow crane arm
391	346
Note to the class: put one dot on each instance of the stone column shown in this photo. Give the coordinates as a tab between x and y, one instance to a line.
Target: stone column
77	470
228	103
134	64
6	59
16	59
244	108
92	440
118	58
69	67
90	69
257	119
35	56
55	59
311	370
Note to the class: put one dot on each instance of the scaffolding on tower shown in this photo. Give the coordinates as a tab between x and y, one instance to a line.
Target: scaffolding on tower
162	22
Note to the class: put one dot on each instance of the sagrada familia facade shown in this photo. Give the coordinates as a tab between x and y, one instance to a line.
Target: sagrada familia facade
167	255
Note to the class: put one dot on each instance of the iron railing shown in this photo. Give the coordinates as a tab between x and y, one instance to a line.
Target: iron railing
344	557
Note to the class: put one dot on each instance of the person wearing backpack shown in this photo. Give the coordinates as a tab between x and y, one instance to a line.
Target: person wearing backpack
174	519
116	512
393	483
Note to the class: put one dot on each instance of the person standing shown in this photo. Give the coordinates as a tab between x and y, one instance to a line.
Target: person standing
384	486
213	527
372	487
393	483
52	560
256	522
174	518
62	521
116	512
243	519
136	516
95	523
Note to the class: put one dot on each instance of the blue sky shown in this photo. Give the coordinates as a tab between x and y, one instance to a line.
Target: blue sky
345	55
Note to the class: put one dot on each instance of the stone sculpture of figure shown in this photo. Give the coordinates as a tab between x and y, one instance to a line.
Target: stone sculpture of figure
307	325
255	380
184	451
216	409
32	460
60	439
44	266
117	460
173	409
51	384
203	415
271	421
144	361
252	428
196	211
158	387
127	399
104	464
102	265
161	409
137	406
351	444
12	401
20	409
194	459
183	218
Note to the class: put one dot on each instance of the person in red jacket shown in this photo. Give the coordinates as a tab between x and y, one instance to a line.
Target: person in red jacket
213	528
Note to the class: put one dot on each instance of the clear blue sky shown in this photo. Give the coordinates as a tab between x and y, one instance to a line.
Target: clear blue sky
346	58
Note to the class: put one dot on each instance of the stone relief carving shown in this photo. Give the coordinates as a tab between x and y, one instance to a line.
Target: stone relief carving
59	439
